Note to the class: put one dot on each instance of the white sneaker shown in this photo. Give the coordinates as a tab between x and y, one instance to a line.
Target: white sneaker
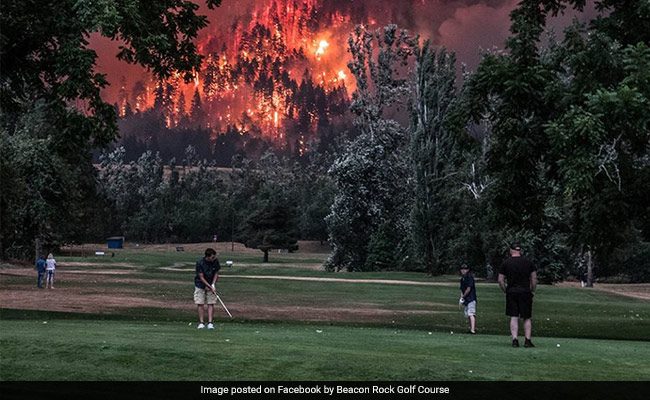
210	326
201	326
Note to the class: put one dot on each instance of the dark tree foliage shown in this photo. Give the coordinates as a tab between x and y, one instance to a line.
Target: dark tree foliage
45	53
48	72
569	143
272	225
371	173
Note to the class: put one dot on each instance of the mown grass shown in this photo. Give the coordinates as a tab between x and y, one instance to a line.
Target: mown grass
163	259
120	350
409	339
244	264
558	311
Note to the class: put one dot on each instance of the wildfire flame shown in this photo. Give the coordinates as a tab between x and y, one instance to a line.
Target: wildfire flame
260	75
321	48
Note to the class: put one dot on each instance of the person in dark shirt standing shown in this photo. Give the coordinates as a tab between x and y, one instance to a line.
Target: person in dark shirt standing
468	296
521	277
207	274
40	267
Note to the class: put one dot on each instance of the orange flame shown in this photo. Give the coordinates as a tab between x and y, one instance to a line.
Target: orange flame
321	48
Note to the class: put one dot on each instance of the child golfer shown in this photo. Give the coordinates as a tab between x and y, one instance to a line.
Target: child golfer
468	296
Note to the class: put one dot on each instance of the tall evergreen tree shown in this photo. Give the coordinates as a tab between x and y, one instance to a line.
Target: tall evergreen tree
433	153
181	110
197	114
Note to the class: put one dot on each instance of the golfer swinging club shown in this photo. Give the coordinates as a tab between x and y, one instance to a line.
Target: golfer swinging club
207	274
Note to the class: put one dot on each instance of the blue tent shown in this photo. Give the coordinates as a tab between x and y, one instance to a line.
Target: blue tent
115	242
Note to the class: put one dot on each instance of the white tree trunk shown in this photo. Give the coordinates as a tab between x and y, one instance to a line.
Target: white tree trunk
590	270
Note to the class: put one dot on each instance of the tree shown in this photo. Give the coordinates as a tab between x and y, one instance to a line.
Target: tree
434	154
272	225
365	181
271	216
45	53
600	137
188	204
370	175
197	114
181	111
130	188
46	60
316	195
569	137
38	201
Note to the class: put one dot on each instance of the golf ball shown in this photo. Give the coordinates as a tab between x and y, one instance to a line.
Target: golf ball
558	345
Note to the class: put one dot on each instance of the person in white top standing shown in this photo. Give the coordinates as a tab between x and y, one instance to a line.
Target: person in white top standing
50	266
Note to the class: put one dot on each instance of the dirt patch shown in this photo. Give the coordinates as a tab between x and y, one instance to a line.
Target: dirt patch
637	291
89	264
61	273
102	294
71	299
633	290
325	314
103	301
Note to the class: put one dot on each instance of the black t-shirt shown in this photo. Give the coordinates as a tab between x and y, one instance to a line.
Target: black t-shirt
208	269
517	271
465	282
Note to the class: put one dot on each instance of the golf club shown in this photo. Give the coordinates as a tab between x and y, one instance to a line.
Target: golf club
224	306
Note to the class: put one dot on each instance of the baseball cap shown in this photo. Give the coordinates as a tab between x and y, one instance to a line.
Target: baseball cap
464	266
515	246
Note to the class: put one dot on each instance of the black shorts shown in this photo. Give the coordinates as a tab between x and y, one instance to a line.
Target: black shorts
519	305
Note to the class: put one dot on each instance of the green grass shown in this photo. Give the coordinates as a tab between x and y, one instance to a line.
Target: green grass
118	350
185	262
164	259
602	336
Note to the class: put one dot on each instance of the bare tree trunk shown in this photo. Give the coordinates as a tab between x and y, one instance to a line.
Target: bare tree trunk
489	273
266	255
38	249
590	270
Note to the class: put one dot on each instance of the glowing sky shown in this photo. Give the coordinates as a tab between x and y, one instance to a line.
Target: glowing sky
463	26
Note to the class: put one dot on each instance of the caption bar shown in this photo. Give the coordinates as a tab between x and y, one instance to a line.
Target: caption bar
323	389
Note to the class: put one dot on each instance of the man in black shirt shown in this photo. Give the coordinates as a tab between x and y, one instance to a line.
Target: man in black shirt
207	273
521	277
